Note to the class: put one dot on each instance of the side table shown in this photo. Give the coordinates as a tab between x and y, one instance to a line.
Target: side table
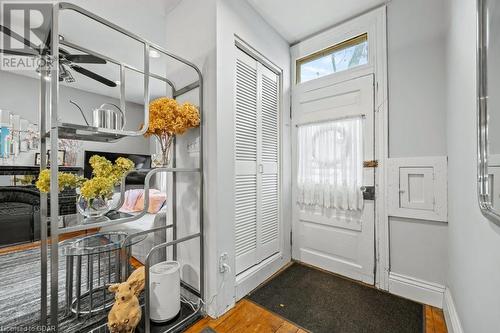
101	254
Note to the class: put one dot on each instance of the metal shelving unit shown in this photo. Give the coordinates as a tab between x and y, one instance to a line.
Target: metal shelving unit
48	120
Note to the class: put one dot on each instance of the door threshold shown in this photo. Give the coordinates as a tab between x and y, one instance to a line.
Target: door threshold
336	274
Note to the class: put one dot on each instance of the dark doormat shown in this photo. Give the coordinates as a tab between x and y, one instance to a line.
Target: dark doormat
325	303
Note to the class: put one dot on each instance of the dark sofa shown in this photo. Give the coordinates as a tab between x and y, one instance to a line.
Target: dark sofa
19	215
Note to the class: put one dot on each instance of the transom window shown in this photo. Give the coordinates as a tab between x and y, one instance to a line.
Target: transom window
337	58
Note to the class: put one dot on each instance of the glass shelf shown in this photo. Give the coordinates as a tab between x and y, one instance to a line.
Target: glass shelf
97	243
76	222
87	133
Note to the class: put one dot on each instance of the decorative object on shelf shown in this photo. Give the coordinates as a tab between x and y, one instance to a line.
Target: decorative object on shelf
61	157
106	117
23	135
94	209
66	180
168	118
33	137
15	122
5	133
126	313
165	284
72	148
25	180
137	280
95	194
95	197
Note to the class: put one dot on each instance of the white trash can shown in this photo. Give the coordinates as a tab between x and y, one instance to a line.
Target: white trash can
165	291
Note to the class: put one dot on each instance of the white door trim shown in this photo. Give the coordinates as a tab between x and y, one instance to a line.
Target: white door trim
252	277
373	23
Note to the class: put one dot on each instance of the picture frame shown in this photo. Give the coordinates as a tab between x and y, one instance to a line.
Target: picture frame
61	158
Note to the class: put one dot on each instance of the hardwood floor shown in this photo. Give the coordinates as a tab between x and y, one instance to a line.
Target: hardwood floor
27	246
434	320
247	316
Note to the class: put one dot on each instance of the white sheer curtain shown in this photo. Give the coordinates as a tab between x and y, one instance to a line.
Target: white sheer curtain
330	164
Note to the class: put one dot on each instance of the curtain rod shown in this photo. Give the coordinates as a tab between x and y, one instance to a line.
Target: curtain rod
362	116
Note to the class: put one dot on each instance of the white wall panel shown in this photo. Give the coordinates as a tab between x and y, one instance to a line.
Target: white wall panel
416	32
417	122
418	248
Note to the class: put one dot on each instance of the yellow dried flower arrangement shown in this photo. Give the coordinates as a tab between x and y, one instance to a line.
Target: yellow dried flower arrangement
97	187
168	118
27	179
106	176
66	180
103	168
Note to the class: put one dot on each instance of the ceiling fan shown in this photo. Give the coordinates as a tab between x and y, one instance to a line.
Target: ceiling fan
67	62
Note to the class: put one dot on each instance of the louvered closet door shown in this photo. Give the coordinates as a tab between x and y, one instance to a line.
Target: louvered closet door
246	162
256	162
267	179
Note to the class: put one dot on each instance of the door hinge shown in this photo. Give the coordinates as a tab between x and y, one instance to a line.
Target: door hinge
291	239
370	164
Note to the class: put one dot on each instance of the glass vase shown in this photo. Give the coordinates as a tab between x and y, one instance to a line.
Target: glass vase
93	210
162	159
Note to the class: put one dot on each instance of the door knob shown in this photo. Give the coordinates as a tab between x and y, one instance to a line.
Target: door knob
368	192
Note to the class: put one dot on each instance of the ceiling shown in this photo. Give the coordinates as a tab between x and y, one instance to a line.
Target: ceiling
297	19
149	22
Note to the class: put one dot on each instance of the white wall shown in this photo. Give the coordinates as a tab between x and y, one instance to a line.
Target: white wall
417	68
239	18
190	33
417	124
474	242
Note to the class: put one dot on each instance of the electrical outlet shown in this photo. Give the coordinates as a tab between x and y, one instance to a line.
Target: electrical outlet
223	266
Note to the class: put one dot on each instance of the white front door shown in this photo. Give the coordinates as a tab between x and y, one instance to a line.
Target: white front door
339	239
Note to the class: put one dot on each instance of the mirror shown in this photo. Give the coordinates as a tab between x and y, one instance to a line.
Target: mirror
82	93
488	113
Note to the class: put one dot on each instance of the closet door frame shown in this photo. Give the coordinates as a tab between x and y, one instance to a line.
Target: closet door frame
263	61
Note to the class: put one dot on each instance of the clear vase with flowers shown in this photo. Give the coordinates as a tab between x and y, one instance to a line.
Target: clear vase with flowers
94	194
168	118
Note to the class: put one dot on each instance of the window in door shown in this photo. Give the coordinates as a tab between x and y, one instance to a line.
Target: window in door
337	58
